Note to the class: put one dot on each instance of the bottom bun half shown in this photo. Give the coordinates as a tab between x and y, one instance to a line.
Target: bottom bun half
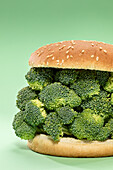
70	147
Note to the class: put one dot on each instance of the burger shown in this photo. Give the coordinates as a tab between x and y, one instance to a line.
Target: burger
67	107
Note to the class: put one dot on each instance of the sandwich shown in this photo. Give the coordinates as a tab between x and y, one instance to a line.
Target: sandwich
67	107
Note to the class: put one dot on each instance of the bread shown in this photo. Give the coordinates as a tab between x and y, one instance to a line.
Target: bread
76	54
70	147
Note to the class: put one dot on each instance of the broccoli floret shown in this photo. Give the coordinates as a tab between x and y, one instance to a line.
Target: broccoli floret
109	85
86	88
56	95
25	131
25	95
101	104
22	129
103	134
38	78
53	126
87	125
66	76
35	113
110	126
18	119
112	98
66	114
87	74
102	77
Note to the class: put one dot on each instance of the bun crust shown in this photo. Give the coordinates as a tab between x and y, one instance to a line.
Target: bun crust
77	54
70	147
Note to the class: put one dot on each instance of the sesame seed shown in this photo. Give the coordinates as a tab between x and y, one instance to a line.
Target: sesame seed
52	58
67	51
83	51
72	41
92	44
52	51
97	58
105	51
57	64
62	47
71	56
100	48
57	61
49	49
92	56
67	56
60	64
48	56
47	63
51	55
69	47
62	61
72	47
44	47
39	54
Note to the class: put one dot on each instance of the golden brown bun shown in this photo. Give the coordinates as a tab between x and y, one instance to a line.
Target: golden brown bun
78	54
70	147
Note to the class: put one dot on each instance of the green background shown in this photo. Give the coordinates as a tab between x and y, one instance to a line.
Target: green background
25	26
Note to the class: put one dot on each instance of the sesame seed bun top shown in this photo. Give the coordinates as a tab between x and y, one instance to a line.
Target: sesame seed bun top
77	54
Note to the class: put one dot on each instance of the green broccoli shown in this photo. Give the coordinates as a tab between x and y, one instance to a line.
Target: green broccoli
66	114
22	129
66	76
53	126
109	85
56	95
38	78
87	125
101	104
110	126
25	95
86	88
103	134
112	98
35	113
87	74
102	77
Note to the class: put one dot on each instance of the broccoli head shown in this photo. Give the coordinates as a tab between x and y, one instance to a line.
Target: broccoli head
87	74
101	104
22	129
56	95
103	134
86	88
87	125
66	114
66	76
25	95
38	78
110	126
109	84
53	126
35	113
102	77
